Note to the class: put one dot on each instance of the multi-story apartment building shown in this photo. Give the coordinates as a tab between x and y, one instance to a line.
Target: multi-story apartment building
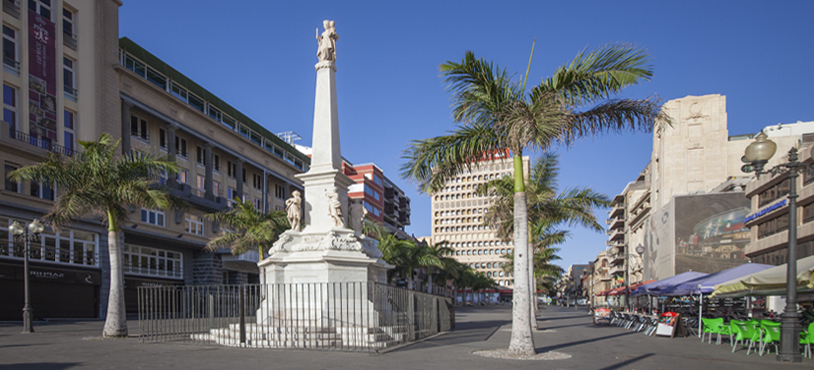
458	218
114	86
768	220
625	231
48	44
223	156
384	201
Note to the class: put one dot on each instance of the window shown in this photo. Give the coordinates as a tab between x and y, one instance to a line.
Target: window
244	175
216	162
162	138
231	170
181	176
41	7
258	204
181	147
196	102
201	155
179	92
139	128
151	261
156	78
377	180
67	23
231	193
10	108
11	185
257	181
214	112
152	216
279	191
194	224
10	48
134	65
201	185
68	77
42	190
66	246
68	121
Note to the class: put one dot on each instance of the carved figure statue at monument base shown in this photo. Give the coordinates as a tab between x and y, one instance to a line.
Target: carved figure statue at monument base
327	42
357	216
335	207
293	206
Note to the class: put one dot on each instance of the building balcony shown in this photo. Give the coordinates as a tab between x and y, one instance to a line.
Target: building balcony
617	210
616	234
69	40
197	197
616	222
39	147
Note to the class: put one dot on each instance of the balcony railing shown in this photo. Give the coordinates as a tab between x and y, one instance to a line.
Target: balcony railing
40	143
69	40
11	65
70	93
12	7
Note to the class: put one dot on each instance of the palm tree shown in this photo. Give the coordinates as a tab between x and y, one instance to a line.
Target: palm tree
547	207
97	182
394	250
247	228
495	112
435	256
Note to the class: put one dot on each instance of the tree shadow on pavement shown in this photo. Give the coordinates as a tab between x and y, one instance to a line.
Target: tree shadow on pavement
571	344
626	364
41	365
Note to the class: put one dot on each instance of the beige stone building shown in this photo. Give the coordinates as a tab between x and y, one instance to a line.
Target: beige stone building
458	215
692	160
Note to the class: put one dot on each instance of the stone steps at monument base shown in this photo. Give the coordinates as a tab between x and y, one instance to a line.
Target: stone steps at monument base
277	337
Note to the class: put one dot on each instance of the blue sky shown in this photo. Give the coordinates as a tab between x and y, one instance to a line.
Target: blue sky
259	57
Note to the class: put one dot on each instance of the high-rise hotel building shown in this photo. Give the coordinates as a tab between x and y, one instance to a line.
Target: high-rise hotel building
458	215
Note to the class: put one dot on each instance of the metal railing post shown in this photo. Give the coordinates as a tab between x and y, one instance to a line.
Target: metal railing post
242	308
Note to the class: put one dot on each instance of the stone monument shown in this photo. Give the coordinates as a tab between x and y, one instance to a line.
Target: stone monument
326	250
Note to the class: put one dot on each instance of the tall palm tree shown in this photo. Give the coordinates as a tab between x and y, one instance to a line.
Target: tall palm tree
547	207
247	228
98	182
495	112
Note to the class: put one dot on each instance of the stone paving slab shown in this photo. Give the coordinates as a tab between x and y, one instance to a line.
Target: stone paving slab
77	345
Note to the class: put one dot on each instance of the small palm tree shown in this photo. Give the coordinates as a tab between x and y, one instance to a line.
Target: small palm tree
394	250
98	182
497	113
247	228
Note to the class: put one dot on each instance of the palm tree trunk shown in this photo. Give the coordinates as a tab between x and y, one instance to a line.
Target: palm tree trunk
532	287
116	320
429	280
522	341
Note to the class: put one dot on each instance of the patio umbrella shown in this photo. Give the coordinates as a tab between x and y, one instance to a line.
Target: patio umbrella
706	284
658	286
768	282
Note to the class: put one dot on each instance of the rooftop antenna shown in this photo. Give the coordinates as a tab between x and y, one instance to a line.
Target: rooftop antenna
289	136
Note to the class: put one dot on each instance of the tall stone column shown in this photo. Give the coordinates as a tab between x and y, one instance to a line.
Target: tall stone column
171	127
126	127
239	178
208	186
325	173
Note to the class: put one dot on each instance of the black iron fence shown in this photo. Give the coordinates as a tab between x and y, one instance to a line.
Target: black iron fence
345	316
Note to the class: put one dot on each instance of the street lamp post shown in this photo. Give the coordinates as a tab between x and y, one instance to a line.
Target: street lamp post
26	234
640	251
758	154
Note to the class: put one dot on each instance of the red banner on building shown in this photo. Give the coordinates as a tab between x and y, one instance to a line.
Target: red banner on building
42	74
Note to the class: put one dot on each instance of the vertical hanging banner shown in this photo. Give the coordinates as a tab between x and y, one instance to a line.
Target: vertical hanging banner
42	79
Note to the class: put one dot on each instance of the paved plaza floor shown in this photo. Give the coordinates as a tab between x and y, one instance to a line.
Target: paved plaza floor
77	345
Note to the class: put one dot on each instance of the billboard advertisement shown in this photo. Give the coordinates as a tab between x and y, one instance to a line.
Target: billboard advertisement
42	79
710	235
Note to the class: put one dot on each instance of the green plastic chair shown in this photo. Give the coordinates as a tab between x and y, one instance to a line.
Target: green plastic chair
769	334
712	326
807	339
747	331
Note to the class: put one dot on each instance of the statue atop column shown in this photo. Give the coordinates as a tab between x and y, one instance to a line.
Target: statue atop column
327	42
